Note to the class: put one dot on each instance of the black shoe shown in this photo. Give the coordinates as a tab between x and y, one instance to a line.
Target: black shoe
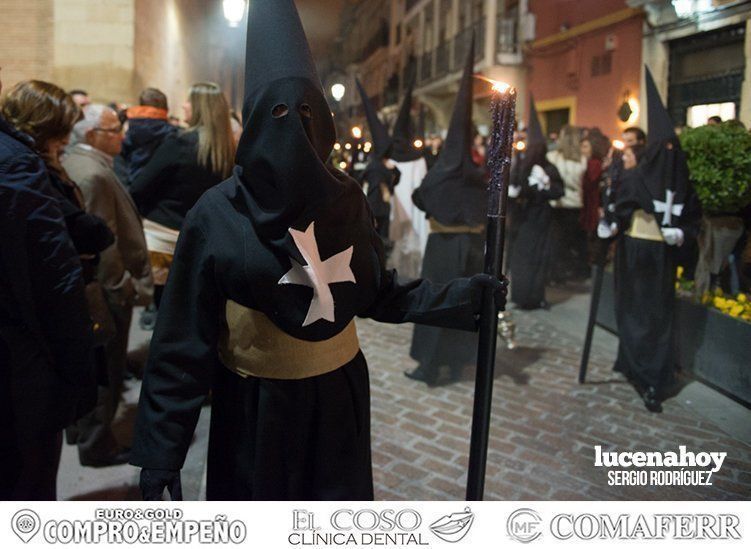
651	400
120	457
420	374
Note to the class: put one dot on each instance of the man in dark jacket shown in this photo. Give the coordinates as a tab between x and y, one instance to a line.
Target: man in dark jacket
148	126
46	369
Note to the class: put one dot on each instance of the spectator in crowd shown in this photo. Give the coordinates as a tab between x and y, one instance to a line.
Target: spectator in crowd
46	361
47	114
568	246
80	97
148	127
185	165
479	149
594	148
124	270
432	149
714	121
634	136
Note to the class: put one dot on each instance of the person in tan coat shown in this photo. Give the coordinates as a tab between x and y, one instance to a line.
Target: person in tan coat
124	270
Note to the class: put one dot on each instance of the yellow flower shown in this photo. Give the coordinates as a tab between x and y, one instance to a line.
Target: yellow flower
736	311
719	302
742	298
679	271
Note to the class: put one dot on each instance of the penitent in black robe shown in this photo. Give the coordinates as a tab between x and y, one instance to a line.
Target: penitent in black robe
645	286
531	217
270	439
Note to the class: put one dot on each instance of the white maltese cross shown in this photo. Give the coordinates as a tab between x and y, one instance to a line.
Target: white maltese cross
318	274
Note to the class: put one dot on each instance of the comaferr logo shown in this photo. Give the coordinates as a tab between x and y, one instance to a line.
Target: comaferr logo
589	526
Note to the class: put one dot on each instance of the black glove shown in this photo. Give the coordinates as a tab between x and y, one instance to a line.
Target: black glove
154	481
499	286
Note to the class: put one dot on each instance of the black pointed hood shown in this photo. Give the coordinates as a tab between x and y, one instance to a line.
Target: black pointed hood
288	131
454	190
536	149
664	168
296	205
404	132
535	137
660	124
378	130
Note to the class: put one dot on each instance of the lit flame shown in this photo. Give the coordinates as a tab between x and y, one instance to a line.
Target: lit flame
343	165
500	87
348	146
357	132
520	146
418	143
337	147
618	144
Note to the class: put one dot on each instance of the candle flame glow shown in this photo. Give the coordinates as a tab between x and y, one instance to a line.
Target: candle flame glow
501	87
520	145
618	144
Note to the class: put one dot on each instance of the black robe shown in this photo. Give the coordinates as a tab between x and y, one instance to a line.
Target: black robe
270	439
448	256
531	217
645	287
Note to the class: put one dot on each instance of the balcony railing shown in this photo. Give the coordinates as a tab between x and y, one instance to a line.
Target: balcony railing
449	56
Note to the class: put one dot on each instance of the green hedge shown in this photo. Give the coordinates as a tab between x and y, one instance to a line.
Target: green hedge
719	162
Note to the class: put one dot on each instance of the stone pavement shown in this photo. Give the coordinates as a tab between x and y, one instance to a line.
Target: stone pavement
544	428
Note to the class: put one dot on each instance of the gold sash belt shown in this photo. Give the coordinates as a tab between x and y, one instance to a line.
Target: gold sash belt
253	346
436	227
644	226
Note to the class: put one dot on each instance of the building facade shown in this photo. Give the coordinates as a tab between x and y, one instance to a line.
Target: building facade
698	52
116	48
585	63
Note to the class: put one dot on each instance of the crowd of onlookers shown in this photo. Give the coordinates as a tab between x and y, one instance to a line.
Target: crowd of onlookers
92	198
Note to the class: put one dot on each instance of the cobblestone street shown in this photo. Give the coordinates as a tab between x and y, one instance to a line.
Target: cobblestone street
544	427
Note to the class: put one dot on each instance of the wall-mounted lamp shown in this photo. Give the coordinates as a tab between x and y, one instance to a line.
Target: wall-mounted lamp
234	11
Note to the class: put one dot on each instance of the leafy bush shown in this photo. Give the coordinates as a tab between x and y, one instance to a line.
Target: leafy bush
719	162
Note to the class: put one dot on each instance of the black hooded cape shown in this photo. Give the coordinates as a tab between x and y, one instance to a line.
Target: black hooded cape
645	269
531	216
281	226
453	195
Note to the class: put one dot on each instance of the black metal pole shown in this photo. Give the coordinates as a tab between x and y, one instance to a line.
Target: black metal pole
601	258
503	107
593	308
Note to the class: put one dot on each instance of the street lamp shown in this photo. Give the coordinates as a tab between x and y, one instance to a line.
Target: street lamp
337	91
234	11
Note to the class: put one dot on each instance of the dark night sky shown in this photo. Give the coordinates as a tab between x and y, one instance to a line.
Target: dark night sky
321	21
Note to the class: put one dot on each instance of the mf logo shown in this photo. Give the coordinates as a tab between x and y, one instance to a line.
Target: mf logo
524	525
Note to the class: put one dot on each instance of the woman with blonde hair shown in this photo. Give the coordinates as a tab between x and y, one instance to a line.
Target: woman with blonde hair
569	246
185	166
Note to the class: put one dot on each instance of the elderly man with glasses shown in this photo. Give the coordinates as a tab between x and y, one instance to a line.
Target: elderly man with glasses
124	270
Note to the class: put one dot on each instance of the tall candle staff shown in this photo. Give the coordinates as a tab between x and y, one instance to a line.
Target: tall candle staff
607	202
503	108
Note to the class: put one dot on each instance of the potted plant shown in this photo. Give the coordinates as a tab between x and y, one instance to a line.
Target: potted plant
719	162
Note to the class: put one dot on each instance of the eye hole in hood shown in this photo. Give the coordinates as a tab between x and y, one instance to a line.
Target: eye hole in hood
280	111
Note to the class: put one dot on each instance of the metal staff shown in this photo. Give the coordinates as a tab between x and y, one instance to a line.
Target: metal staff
601	256
503	107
